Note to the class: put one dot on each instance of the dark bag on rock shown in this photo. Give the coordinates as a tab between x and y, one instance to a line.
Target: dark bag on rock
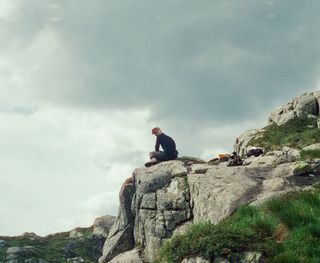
234	160
254	152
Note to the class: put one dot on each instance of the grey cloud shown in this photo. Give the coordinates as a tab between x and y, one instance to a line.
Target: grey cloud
214	60
203	68
20	110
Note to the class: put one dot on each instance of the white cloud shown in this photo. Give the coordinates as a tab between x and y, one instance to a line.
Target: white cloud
79	95
50	158
102	203
8	9
56	19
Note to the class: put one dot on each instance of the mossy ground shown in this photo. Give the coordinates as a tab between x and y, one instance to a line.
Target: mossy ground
53	248
284	229
296	133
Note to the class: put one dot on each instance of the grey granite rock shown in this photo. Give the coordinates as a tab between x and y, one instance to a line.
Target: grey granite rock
102	225
164	199
120	238
131	256
302	106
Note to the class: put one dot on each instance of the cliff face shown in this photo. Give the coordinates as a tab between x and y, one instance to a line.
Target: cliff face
160	201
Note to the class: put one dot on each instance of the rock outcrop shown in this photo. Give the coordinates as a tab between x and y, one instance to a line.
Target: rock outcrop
131	256
120	237
241	146
303	107
162	201
159	201
102	225
306	105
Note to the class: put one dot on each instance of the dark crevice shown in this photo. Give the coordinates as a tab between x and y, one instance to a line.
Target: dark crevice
317	108
304	179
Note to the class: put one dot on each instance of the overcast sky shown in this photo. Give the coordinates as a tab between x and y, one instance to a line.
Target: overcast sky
83	83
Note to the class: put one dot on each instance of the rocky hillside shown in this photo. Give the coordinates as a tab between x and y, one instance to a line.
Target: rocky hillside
77	245
295	125
160	202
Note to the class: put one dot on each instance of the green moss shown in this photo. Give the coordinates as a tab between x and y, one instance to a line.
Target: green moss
284	229
186	183
296	133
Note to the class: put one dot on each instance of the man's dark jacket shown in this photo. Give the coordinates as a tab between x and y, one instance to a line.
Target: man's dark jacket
168	145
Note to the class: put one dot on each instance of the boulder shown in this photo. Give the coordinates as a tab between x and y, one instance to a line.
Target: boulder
217	193
251	257
120	238
195	260
304	106
102	225
75	260
312	147
302	168
241	146
131	256
307	104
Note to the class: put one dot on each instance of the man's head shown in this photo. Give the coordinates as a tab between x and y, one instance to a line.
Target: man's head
156	131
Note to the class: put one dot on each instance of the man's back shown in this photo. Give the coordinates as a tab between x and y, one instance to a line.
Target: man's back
167	144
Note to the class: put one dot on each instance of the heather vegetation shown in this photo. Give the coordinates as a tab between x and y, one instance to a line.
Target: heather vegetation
55	248
284	229
296	133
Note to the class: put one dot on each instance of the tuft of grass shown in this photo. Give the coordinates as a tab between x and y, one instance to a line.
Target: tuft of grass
286	257
309	154
296	133
208	241
284	229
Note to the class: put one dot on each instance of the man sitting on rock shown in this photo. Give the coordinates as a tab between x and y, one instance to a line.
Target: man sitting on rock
168	145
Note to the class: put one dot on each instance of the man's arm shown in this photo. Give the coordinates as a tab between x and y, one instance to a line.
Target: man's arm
157	145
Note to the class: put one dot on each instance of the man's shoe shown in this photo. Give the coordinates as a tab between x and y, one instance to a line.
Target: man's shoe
150	163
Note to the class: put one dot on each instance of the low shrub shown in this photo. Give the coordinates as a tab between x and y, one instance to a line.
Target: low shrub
284	229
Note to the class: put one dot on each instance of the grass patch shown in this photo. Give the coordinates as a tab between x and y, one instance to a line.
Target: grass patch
284	229
296	133
309	154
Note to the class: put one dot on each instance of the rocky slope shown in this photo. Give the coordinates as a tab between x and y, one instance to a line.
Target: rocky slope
161	201
77	245
305	106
